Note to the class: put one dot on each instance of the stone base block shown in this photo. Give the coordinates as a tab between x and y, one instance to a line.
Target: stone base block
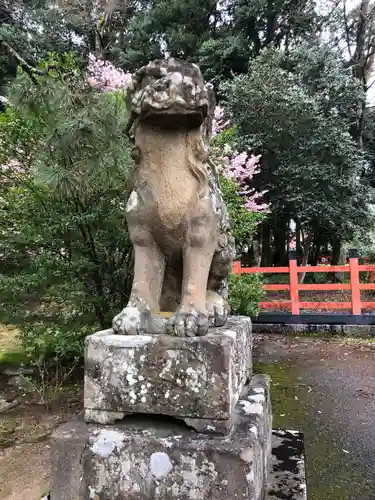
287	472
161	459
361	331
194	378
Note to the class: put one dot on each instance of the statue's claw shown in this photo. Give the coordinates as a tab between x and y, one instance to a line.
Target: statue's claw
188	323
220	315
128	321
218	309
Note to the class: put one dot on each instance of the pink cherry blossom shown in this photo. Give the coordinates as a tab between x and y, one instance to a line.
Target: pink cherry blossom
292	244
104	76
219	123
242	167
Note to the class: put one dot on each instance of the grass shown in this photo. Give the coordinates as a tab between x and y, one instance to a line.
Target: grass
11	352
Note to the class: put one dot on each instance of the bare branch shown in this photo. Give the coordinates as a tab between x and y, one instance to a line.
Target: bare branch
347	29
371	85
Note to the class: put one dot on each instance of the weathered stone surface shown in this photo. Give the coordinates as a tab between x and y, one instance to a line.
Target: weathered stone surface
297	328
170	87
345	330
141	460
185	377
176	215
287	472
358	330
68	444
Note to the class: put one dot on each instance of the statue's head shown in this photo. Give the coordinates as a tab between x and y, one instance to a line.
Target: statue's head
172	92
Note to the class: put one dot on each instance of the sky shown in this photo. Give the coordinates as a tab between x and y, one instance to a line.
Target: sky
351	4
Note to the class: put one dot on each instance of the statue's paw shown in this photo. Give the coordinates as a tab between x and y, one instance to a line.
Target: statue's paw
217	308
188	323
128	321
220	315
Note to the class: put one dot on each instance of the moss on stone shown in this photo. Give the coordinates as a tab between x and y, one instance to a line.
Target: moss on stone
288	406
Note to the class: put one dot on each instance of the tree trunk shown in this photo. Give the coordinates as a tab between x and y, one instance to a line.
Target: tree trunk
281	238
257	251
317	249
266	246
336	249
298	239
337	255
362	62
271	22
341	262
305	254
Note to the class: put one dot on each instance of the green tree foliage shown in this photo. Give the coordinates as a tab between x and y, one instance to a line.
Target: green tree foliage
292	96
243	222
65	250
31	29
220	36
296	110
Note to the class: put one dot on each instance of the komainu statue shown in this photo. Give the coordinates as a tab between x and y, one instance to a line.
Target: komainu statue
177	219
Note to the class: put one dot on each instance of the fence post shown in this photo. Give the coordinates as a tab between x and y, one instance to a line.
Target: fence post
354	281
293	280
236	267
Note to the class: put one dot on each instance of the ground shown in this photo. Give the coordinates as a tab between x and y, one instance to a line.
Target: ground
323	387
25	429
24	442
327	390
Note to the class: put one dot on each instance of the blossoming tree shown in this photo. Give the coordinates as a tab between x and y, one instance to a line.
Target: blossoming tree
239	166
106	77
246	206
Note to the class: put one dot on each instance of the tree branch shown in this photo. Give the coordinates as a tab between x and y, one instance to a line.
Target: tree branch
30	70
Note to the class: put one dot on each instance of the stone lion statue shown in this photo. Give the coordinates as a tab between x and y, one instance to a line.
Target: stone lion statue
177	219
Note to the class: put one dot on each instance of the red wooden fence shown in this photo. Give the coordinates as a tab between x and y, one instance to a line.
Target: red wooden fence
295	305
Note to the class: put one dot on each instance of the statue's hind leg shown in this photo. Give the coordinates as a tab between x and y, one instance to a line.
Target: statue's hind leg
217	286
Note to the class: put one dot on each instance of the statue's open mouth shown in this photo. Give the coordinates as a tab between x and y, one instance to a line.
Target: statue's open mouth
175	116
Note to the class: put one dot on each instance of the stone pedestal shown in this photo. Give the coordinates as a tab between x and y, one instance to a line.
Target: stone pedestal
151	458
167	418
197	379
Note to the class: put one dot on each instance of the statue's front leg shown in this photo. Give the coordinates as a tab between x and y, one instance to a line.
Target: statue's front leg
191	318
149	266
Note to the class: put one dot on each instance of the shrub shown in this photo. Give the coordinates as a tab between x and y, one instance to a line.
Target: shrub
245	293
53	344
243	222
65	249
55	352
